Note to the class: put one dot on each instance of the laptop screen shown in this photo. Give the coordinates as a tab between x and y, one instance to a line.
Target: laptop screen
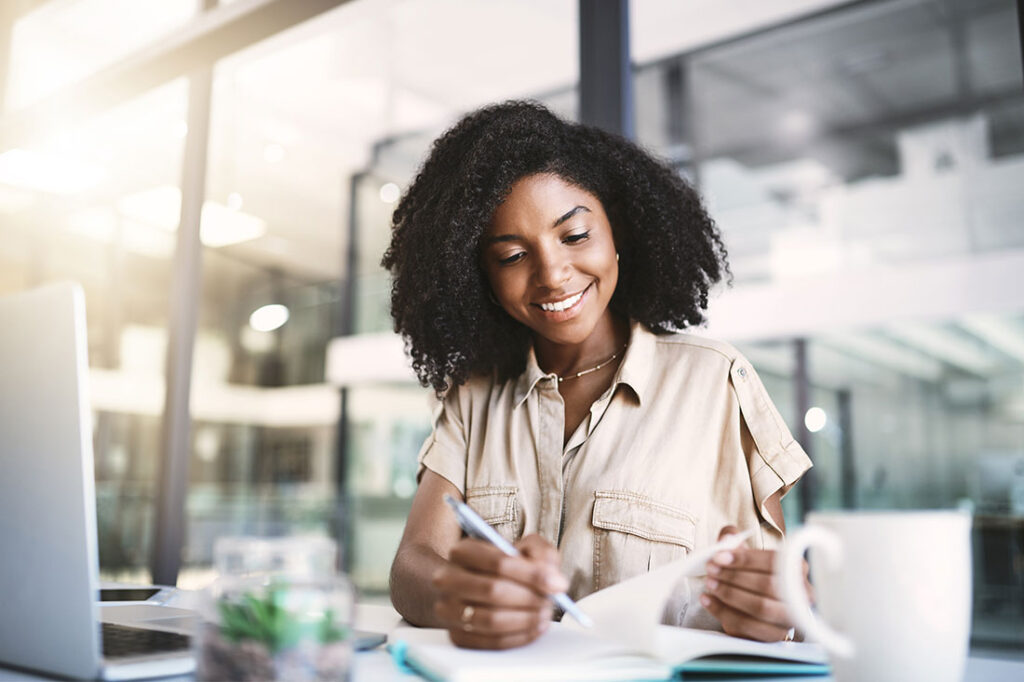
49	571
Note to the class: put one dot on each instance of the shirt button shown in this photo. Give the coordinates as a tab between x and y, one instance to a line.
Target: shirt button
743	371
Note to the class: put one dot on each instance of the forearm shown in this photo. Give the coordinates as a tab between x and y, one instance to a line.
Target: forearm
412	592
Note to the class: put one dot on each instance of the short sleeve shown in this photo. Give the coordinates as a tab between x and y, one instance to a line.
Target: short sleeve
776	461
444	451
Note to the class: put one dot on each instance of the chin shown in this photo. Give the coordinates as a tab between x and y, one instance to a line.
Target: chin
569	333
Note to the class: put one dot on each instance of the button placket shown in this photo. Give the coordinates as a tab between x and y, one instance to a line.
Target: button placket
549	465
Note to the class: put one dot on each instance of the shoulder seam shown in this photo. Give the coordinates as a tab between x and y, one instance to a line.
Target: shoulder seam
699	342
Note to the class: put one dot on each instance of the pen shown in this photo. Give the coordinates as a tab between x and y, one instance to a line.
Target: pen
476	527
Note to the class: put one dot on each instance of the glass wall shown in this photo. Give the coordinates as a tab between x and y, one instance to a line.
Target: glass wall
314	134
877	134
876	141
78	206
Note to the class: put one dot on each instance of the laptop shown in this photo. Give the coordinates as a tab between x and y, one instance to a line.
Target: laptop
50	617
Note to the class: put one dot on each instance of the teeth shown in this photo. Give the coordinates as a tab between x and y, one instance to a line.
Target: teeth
561	305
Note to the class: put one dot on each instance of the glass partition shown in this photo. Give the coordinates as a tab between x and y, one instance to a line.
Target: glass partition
78	206
315	132
881	133
929	416
873	138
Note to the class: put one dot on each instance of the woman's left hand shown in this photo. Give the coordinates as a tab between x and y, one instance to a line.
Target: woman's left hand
742	593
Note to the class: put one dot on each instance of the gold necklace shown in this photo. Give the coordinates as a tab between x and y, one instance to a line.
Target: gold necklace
596	367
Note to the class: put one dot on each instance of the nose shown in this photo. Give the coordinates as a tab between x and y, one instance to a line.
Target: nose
552	269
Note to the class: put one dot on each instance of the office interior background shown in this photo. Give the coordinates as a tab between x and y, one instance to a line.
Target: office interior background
220	177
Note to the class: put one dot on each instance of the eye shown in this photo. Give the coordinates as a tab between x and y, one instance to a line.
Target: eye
511	259
575	238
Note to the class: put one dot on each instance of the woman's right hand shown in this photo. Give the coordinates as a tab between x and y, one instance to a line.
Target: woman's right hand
488	600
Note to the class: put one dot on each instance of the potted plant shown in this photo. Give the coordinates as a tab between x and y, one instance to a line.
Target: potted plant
283	630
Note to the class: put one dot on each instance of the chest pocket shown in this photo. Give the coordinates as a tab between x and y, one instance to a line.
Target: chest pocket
497	506
634	534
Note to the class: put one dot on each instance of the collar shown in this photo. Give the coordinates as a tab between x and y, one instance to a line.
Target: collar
634	370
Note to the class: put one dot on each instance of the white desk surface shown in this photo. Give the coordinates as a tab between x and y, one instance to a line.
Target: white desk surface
376	665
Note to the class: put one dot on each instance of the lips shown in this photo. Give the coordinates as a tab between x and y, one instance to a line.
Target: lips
564	308
567	302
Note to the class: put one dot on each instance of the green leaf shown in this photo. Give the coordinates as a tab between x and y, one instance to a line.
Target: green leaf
265	619
329	631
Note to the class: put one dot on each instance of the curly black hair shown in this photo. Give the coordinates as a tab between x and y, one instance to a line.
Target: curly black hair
671	252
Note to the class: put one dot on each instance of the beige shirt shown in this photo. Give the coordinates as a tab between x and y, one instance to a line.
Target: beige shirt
683	442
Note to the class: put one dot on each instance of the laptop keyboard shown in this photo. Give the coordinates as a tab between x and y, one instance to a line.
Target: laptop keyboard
120	641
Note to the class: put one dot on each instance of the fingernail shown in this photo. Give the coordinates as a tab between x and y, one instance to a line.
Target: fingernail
711	583
714	569
724	558
544	625
705	600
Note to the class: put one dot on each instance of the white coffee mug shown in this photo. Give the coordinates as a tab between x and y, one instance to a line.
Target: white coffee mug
893	587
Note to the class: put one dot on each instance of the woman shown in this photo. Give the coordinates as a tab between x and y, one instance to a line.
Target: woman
540	270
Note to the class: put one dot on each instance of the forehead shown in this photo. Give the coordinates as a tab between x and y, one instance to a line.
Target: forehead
543	197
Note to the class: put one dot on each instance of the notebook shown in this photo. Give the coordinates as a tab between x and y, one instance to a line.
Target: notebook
627	642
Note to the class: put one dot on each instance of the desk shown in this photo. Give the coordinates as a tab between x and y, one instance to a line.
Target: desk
376	665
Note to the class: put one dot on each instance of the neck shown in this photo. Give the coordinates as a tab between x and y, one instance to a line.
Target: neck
608	338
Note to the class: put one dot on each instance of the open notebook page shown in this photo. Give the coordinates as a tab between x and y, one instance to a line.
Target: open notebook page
629	612
560	655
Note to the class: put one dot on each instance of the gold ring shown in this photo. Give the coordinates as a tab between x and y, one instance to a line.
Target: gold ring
467	616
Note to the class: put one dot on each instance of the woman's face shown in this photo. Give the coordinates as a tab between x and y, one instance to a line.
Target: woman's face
550	258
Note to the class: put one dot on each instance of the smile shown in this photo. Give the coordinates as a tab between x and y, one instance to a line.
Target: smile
564	304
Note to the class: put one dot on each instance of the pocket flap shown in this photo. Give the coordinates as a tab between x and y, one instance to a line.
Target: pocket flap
641	516
494	504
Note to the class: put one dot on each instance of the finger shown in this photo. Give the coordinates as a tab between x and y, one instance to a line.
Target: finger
751	581
478	555
728	530
486	620
757	606
481	588
536	547
739	624
762	560
481	557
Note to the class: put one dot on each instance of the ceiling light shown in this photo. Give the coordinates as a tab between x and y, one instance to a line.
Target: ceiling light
815	419
1003	333
146	239
220	224
886	353
944	345
48	172
157	206
269	317
389	193
273	153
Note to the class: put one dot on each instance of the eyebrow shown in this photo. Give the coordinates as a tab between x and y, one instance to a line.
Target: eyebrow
511	237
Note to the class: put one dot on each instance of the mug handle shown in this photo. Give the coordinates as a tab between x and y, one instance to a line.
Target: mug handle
789	568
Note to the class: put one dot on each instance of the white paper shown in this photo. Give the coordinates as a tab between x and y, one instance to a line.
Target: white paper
629	612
